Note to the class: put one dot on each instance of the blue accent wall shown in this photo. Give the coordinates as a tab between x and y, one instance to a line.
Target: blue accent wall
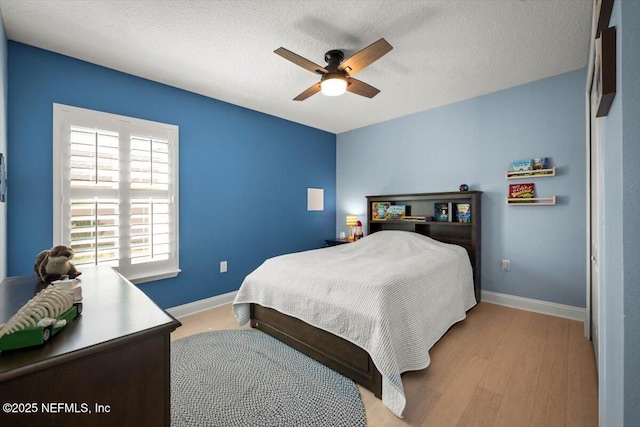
474	142
243	174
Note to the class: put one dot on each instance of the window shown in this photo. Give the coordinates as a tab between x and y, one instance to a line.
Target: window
116	192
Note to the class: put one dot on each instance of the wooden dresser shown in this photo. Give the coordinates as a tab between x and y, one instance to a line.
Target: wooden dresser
110	366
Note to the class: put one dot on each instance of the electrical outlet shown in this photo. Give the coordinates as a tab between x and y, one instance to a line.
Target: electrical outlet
223	266
506	265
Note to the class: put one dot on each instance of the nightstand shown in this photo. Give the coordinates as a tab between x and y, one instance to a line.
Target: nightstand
336	242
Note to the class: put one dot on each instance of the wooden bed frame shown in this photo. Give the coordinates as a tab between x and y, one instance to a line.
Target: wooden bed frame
342	355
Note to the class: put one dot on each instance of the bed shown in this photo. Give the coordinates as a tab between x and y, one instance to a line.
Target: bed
307	300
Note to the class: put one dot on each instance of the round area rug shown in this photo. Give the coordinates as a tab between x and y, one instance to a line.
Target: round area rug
247	378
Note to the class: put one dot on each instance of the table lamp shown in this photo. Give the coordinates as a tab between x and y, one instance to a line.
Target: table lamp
351	222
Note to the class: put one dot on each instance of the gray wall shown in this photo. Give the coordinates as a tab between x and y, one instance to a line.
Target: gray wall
630	84
630	81
619	373
474	142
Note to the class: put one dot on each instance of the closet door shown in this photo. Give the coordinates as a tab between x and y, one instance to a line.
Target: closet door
595	185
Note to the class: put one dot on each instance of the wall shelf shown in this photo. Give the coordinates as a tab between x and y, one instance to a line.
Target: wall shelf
540	173
412	223
535	201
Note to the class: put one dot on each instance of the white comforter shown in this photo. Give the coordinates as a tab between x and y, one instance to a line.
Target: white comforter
393	293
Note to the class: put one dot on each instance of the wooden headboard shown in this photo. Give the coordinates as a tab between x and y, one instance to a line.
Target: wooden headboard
465	234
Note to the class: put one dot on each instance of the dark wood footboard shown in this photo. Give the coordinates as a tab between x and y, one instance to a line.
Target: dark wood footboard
328	349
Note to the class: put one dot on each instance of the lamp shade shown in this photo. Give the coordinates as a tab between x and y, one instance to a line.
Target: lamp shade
351	220
333	86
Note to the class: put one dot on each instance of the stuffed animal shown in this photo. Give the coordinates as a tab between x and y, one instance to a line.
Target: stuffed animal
55	263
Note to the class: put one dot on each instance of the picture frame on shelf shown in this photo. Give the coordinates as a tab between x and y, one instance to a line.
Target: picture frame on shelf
396	212
463	212
442	212
379	211
604	73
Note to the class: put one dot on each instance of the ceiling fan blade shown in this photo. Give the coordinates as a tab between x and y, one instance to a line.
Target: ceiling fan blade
299	60
361	88
365	57
307	93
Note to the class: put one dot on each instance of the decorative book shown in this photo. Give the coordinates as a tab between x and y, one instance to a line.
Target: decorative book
414	218
541	166
522	191
379	211
463	212
442	211
522	165
541	163
396	212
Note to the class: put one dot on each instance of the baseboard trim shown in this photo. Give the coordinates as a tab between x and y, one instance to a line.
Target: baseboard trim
522	303
201	305
537	306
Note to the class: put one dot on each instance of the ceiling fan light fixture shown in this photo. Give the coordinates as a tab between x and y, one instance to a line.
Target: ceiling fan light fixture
334	86
337	76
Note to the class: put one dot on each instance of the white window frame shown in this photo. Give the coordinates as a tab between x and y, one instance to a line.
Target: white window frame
64	117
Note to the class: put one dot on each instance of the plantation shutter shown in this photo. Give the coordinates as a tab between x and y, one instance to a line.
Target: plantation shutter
94	168
150	203
118	192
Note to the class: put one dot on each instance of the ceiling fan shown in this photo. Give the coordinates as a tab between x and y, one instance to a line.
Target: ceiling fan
337	75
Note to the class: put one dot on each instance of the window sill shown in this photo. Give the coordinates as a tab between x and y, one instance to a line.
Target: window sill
151	277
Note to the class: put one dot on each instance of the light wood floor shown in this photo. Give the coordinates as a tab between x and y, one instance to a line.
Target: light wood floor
498	367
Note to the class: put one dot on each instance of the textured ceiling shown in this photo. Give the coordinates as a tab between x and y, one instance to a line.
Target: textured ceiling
444	51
